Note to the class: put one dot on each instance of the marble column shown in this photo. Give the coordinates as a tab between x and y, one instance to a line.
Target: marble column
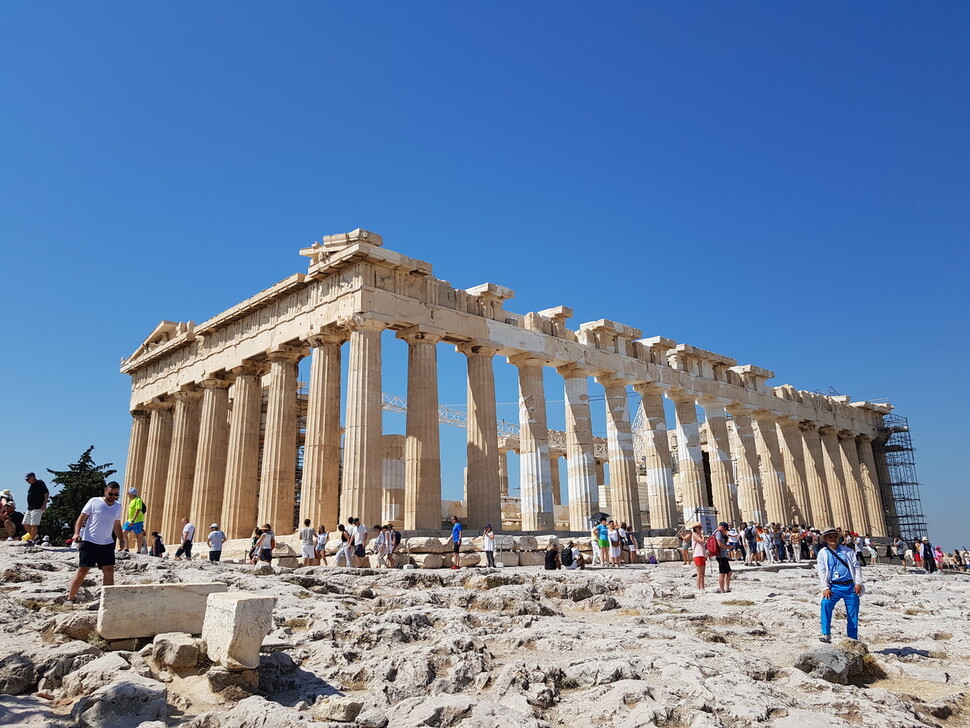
690	481
277	478
181	464
320	490
361	494
153	492
835	481
624	492
870	483
853	482
535	489
137	448
772	468
581	481
602	487
503	471
554	483
793	456
483	490
724	487
392	478
421	507
660	478
818	493
745	448
210	457
239	507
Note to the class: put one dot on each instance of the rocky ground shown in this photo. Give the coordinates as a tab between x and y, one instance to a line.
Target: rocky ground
498	647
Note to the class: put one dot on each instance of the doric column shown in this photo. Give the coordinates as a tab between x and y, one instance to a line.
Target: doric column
723	485
156	462
624	492
554	483
137	447
745	448
660	478
835	481
482	487
239	507
772	468
581	481
870	485
690	482
535	490
210	457
793	456
602	487
421	507
853	482
277	479
392	478
885	480
818	493
320	489
503	471
360	494
181	465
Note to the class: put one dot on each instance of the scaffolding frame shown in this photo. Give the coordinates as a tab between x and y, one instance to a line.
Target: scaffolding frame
905	517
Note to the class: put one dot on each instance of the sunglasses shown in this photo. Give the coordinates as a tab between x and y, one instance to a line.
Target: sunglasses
112	495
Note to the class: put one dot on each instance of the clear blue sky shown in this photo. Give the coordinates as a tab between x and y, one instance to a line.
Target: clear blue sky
784	184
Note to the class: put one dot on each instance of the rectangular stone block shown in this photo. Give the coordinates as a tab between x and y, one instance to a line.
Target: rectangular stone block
145	610
532	558
507	558
234	628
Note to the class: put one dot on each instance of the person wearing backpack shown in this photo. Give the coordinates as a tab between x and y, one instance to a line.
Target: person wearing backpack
721	546
840	577
266	543
699	551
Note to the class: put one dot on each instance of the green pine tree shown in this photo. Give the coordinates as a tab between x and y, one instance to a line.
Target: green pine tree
82	481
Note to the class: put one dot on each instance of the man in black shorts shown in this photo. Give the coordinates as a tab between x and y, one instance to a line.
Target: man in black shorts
94	533
723	560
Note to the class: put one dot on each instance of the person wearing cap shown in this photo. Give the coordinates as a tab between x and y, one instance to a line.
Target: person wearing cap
840	577
37	497
723	558
215	539
488	539
698	549
135	524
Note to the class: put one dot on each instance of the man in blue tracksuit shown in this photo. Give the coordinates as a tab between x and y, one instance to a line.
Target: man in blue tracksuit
840	577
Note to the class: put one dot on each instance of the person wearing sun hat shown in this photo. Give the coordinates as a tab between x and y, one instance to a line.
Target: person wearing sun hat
840	578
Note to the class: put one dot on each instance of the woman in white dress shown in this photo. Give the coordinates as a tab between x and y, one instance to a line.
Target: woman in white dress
616	546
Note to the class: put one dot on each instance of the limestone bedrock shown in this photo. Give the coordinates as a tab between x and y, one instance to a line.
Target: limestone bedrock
234	628
145	610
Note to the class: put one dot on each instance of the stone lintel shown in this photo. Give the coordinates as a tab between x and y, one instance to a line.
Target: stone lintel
491	291
621	331
556	313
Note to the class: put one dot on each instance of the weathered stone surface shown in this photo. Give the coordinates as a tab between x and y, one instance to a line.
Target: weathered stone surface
427	561
235	625
532	558
122	704
101	671
18	675
426	545
54	664
74	625
176	649
470	559
525	543
220	678
507	558
336	708
831	663
128	611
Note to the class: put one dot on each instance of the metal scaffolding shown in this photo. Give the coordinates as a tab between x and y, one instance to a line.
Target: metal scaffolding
900	488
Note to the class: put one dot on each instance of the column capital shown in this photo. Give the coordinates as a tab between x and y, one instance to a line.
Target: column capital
573	371
713	402
608	380
865	438
250	368
286	353
157	403
739	409
477	347
789	421
826	430
327	335
187	393
681	395
526	359
648	388
359	322
808	426
766	415
139	412
217	380
847	435
421	334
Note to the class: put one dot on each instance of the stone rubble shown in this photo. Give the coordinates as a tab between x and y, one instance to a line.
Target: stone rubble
509	647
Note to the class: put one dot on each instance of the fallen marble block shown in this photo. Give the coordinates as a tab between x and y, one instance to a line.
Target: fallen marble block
234	628
145	610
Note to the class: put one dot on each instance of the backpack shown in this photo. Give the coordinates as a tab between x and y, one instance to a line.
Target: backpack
750	534
566	557
713	549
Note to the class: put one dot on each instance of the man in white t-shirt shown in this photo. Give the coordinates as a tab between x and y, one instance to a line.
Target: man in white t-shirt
188	536
216	537
94	532
360	542
308	542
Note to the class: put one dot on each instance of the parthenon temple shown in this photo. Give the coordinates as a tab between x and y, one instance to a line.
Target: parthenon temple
223	433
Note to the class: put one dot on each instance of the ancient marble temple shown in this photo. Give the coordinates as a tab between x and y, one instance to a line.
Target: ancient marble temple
215	410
